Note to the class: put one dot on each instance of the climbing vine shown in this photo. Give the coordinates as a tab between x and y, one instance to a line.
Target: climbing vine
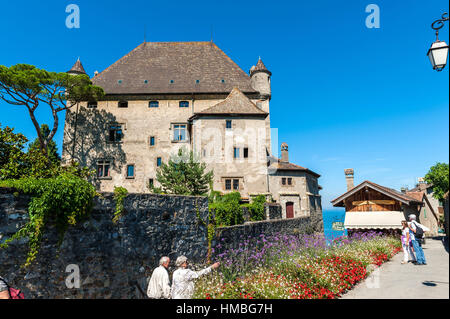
63	201
119	196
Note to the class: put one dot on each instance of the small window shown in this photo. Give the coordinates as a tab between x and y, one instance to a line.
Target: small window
115	133
171	81
235	184
179	132
130	171
151	182
197	81
184	104
153	104
152	141
283	181
123	104
246	152
289	180
158	161
223	81
146	81
228	184
229	125
120	81
92	105
236	152
103	168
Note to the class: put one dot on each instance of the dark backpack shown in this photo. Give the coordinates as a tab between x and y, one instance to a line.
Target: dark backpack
419	232
13	292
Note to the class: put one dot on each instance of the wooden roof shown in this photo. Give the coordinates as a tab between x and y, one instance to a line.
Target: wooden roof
174	67
408	200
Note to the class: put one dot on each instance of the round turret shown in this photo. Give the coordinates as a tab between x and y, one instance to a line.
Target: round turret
260	79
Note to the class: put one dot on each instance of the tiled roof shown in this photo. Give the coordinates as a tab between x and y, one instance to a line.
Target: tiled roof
276	164
235	103
174	67
259	67
387	191
416	195
77	68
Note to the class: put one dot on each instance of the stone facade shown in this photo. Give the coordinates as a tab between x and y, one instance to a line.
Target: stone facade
139	125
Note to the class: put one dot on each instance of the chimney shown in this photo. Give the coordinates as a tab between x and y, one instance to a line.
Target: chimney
404	190
284	153
349	178
95	73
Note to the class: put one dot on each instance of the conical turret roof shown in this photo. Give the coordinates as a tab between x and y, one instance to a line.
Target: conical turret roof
259	67
77	68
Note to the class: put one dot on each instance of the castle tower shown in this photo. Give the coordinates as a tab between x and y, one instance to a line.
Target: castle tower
260	79
77	68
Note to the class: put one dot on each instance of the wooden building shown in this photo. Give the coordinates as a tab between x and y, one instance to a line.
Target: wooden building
370	206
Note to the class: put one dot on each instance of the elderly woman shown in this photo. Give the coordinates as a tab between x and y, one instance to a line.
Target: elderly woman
183	278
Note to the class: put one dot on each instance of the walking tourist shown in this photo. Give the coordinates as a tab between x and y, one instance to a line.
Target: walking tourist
408	254
183	278
4	289
159	286
416	233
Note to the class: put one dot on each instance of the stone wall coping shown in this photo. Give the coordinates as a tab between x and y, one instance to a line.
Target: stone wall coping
272	221
152	194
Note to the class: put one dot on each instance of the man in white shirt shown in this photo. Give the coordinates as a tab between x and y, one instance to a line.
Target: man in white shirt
420	257
158	286
4	290
183	279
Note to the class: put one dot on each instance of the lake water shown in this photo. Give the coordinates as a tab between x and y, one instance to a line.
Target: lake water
329	217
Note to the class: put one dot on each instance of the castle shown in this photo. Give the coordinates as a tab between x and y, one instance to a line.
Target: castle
170	95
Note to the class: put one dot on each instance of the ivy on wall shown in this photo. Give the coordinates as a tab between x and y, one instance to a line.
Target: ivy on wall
63	201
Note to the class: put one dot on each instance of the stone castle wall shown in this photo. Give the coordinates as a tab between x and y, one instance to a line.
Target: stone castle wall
113	257
110	257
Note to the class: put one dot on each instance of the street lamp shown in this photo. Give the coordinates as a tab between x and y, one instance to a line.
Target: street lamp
439	49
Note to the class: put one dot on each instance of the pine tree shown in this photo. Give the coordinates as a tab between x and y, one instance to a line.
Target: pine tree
184	175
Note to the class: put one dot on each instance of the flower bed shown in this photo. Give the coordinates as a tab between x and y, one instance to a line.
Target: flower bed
295	267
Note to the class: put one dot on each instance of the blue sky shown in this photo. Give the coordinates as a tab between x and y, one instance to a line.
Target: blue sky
343	95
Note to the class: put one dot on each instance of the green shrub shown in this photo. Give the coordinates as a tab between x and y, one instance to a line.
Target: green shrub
227	209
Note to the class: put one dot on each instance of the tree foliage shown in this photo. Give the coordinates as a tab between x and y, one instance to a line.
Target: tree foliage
438	177
25	85
184	175
13	160
52	149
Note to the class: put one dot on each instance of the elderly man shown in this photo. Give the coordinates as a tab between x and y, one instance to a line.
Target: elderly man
416	239
4	289
158	286
183	278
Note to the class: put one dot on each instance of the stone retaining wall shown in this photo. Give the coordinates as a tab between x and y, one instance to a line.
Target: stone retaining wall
110	257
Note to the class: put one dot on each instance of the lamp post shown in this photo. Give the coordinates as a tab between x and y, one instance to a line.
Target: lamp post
439	49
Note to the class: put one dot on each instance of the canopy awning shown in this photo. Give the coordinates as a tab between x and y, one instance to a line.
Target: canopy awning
374	220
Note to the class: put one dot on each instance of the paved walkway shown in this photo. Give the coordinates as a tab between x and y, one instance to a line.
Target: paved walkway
396	281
